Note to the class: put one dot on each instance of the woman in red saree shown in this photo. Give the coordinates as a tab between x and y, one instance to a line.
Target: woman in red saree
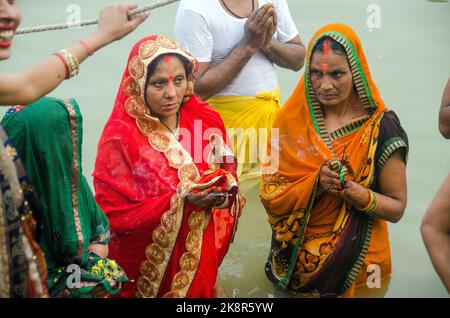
165	178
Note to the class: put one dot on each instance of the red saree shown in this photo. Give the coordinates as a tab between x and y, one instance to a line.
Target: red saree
142	175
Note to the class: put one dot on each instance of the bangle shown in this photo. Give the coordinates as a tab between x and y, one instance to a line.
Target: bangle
74	66
86	46
372	205
368	204
66	64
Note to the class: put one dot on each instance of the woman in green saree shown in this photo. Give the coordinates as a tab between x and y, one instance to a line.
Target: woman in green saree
74	232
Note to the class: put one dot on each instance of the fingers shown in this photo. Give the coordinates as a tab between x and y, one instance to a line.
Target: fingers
213	196
270	12
129	6
260	16
267	19
136	20
99	291
268	24
327	172
330	181
275	19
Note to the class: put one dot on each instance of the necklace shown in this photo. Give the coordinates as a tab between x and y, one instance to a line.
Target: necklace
175	131
237	16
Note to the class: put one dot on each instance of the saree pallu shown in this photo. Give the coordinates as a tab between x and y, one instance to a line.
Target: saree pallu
248	120
23	270
143	173
48	136
156	236
320	244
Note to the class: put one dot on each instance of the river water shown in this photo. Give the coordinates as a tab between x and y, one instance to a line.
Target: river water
409	55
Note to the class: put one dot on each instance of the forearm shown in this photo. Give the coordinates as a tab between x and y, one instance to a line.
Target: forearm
437	243
435	231
23	88
388	208
219	76
42	78
286	55
444	121
101	250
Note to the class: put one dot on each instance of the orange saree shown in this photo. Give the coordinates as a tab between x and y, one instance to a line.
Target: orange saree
320	244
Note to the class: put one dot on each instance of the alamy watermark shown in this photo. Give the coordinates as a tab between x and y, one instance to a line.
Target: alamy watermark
74	17
373	21
374	278
74	279
250	143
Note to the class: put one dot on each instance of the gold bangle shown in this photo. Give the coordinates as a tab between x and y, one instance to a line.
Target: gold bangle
367	207
74	66
373	204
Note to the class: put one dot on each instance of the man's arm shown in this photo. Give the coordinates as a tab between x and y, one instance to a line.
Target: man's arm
289	55
444	113
211	80
286	54
436	232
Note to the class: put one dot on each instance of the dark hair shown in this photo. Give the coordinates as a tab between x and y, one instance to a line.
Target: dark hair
335	46
151	68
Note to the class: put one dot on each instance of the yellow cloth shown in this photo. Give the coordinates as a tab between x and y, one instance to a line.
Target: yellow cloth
248	120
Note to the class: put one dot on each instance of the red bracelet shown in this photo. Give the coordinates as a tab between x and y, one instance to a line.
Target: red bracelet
66	64
86	46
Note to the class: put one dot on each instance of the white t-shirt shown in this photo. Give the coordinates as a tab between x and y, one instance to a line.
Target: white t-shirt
210	33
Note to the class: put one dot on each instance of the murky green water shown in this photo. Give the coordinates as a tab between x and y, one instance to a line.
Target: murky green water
409	56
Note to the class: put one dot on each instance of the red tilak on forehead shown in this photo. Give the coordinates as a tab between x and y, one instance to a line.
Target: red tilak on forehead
326	47
167	59
324	68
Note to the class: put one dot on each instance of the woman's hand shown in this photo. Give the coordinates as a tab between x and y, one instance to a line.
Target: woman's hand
348	190
101	250
114	24
329	180
242	203
210	197
99	291
356	194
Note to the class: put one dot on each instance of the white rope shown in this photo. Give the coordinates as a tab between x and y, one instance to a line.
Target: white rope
62	26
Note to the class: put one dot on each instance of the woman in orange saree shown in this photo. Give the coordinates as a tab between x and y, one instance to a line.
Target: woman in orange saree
165	177
340	175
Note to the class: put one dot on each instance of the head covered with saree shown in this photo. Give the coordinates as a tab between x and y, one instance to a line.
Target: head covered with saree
312	246
144	172
48	136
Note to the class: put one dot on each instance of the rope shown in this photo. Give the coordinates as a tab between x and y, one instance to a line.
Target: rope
62	26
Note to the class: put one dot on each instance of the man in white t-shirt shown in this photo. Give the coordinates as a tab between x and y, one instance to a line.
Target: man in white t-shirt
237	43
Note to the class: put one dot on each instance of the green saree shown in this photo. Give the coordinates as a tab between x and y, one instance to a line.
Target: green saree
48	136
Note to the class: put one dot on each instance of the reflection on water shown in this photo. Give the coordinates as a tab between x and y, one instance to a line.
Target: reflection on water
409	60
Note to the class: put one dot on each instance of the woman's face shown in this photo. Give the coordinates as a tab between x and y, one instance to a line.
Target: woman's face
166	87
331	77
9	20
